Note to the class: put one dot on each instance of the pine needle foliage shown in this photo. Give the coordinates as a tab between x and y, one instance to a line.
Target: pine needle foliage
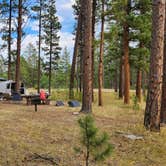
95	145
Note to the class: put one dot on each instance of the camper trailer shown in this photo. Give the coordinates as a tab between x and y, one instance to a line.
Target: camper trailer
7	88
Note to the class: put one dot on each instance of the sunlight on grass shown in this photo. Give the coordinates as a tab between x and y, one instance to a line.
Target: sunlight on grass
54	131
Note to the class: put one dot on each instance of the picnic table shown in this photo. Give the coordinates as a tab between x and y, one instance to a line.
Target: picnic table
30	97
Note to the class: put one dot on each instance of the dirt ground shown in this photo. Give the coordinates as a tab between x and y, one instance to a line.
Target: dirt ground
48	137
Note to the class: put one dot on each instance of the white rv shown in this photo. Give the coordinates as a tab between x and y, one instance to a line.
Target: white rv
8	87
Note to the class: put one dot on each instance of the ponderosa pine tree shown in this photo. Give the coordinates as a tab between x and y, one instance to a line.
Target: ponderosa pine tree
87	56
153	102
120	11
51	27
75	54
19	35
38	9
22	10
9	40
163	103
7	9
141	34
94	4
127	6
95	146
100	69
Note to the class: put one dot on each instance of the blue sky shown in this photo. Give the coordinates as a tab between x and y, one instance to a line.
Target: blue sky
66	17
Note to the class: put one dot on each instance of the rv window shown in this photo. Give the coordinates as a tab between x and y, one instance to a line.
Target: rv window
13	86
8	86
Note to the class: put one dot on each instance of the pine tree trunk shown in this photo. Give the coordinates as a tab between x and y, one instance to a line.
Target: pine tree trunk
39	70
87	57
144	85
75	55
19	35
81	51
50	61
100	72
9	41
93	46
163	101
139	85
153	103
81	70
126	64
121	78
116	81
126	55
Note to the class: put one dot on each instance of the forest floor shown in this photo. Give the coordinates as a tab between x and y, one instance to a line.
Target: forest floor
48	137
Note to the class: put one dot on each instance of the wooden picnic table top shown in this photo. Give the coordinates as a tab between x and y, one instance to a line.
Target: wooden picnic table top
30	95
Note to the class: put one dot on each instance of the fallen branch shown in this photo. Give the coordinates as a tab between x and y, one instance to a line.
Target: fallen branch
43	157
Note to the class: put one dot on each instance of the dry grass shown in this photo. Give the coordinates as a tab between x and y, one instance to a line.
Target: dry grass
53	133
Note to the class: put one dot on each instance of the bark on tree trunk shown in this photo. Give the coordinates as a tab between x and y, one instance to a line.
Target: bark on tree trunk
19	35
139	85
126	64
126	56
87	57
75	55
39	70
50	62
93	47
116	81
153	103
144	85
81	70
121	78
100	72
163	101
9	41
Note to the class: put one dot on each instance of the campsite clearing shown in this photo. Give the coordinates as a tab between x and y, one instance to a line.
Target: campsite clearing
48	137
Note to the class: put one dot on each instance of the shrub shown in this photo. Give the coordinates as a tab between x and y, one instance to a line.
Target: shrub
95	146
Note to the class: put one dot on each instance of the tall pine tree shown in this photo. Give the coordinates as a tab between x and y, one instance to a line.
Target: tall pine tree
153	102
51	27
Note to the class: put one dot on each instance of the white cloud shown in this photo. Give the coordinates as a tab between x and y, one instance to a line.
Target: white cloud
66	17
66	4
33	39
61	19
34	25
66	40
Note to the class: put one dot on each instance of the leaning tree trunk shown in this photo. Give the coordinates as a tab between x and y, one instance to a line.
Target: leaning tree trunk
163	101
75	55
139	85
100	72
19	35
126	56
9	41
153	103
87	57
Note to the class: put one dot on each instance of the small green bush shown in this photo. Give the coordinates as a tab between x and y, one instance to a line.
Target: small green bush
95	145
135	103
